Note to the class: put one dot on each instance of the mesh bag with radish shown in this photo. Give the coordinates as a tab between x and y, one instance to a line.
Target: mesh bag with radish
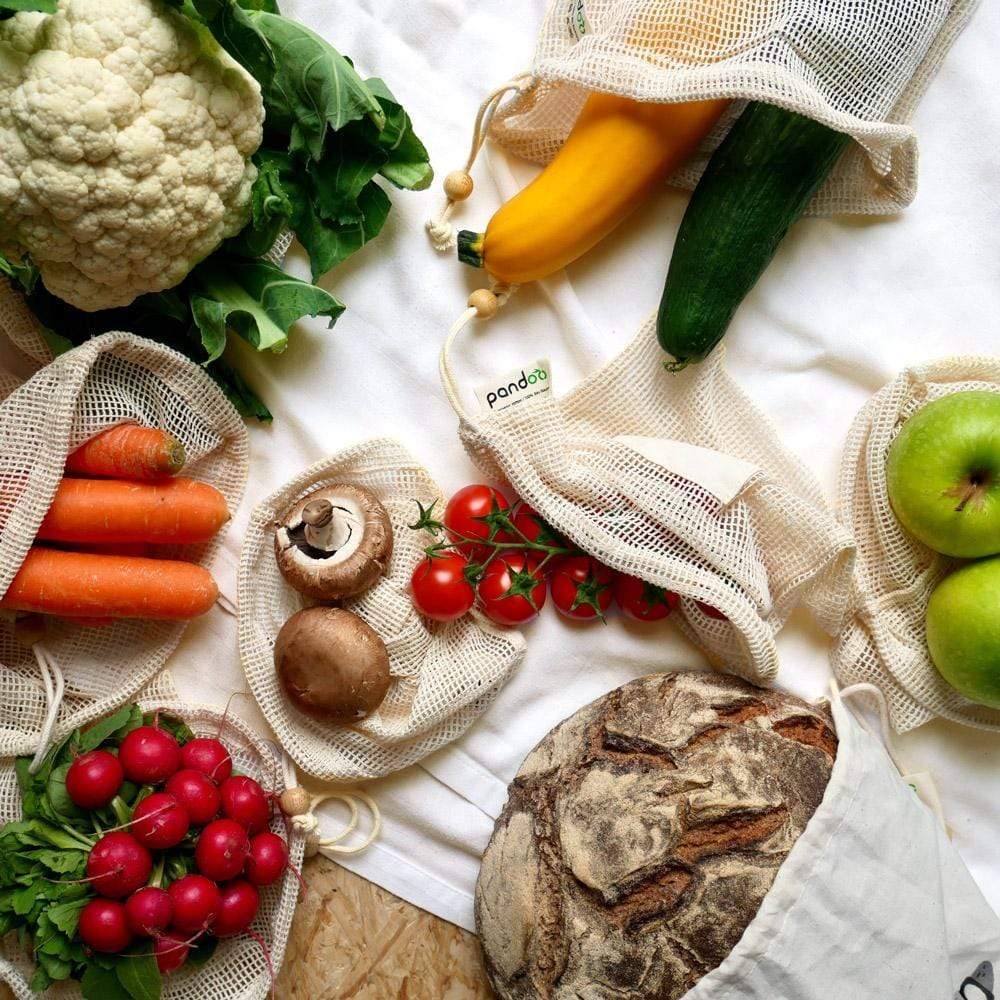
859	68
147	855
119	464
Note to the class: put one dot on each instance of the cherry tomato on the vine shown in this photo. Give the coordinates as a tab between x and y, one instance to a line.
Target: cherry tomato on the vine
440	588
512	591
645	602
582	587
533	526
476	512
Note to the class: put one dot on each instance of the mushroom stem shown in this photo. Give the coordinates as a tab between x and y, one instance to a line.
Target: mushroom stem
317	513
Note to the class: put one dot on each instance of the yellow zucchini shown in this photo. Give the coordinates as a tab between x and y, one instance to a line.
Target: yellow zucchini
618	152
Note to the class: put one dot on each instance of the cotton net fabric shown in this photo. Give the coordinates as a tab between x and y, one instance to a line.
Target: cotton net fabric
753	559
444	675
111	379
860	68
884	641
238	968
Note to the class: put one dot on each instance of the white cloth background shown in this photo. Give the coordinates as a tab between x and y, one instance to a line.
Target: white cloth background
846	304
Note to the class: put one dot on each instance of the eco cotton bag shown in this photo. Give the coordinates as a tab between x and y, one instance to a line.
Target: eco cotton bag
872	902
238	969
860	68
679	480
884	641
444	675
111	379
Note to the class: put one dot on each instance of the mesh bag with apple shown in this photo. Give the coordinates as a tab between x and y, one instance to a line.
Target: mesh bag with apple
113	379
919	487
433	679
238	967
680	480
859	68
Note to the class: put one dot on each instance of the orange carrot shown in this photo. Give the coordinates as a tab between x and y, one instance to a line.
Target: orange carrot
128	452
97	511
81	585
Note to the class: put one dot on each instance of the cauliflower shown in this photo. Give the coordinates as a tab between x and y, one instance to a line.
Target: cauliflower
125	145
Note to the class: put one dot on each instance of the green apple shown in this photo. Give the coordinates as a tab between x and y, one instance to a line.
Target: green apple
963	630
943	474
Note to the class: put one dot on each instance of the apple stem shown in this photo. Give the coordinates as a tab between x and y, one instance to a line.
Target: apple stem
970	492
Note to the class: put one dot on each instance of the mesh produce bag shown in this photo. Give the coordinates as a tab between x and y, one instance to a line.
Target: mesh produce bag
859	67
735	522
114	378
444	675
238	968
884	641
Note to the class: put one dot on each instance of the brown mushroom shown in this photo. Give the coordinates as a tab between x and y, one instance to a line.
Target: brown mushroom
334	543
332	665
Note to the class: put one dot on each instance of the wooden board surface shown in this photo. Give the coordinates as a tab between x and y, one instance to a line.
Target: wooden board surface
351	939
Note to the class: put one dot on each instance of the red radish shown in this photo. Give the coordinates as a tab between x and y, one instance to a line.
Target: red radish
103	926
149	755
208	755
240	901
159	821
222	850
171	951
149	911
244	801
710	612
196	792
267	860
93	779
118	865
196	903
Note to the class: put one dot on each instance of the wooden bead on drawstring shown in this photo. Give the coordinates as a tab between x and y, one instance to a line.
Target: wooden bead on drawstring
458	185
484	302
294	801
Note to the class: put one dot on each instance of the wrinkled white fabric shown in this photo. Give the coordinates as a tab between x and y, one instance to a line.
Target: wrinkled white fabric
844	307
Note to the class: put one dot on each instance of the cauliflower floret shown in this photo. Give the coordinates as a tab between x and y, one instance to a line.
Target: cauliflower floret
124	147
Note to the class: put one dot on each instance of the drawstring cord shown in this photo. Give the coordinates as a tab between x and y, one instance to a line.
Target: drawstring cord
458	184
301	807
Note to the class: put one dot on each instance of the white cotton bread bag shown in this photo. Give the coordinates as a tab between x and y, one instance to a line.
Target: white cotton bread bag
860	68
112	379
884	641
873	901
444	675
238	970
680	480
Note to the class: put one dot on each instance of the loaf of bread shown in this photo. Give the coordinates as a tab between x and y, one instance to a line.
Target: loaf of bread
641	835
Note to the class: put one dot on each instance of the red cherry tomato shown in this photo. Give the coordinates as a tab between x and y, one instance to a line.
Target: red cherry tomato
710	612
512	591
533	526
645	602
477	512
582	587
440	588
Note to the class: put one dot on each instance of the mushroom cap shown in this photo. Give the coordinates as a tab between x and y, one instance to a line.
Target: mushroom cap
332	665
342	556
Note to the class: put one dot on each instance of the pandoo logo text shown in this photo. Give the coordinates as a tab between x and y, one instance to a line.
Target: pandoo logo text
515	386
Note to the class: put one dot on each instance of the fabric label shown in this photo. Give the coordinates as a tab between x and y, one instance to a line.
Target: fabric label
721	475
517	386
576	18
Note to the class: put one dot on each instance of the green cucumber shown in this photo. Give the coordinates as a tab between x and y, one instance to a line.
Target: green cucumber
757	183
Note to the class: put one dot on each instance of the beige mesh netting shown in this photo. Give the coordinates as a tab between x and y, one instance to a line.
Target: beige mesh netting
859	67
588	462
443	675
114	378
238	968
884	641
